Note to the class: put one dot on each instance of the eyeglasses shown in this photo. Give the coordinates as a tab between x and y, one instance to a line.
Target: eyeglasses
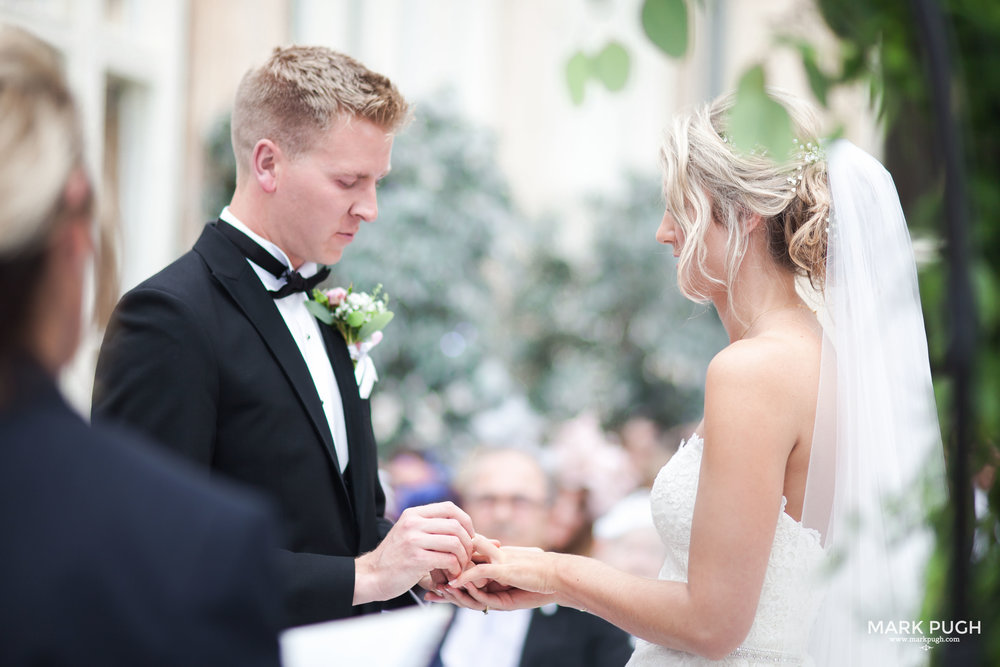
516	503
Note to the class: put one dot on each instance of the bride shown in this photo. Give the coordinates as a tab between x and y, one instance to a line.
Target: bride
817	414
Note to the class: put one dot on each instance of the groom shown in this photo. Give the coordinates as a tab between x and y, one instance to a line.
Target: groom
218	359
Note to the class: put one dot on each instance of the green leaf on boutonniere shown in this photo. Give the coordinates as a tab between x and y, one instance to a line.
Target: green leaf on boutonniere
320	311
376	323
355	319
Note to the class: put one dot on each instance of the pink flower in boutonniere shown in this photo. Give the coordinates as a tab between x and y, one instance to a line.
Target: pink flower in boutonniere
360	318
336	296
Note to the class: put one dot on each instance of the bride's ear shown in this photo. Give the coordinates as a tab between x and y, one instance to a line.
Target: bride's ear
752	222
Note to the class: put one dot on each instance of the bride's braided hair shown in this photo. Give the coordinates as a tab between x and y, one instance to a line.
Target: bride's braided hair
705	178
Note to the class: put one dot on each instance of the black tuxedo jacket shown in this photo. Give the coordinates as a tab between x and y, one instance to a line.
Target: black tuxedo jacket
564	637
114	553
199	358
567	637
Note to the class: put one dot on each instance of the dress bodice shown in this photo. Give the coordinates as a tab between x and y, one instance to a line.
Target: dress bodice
789	599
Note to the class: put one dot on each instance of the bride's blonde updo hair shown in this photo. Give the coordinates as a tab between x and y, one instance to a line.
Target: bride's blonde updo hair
706	179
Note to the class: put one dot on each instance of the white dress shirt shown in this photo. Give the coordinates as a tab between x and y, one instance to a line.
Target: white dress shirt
486	640
305	331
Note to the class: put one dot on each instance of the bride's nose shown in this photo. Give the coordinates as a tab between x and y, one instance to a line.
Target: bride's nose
666	233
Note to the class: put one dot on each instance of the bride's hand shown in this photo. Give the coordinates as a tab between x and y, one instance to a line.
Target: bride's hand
508	578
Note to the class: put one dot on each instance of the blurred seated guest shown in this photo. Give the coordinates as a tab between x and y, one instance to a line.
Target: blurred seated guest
112	555
509	497
592	473
415	478
626	537
647	447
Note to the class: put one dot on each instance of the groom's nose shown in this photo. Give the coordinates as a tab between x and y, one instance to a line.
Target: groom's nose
366	206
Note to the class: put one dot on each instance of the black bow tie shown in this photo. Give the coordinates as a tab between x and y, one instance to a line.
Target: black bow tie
294	282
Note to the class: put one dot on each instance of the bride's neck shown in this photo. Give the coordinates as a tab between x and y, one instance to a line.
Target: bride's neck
757	291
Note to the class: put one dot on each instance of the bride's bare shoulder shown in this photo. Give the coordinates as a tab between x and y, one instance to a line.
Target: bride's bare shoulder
782	361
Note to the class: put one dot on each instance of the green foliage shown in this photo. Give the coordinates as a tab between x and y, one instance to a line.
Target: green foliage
819	81
610	66
756	121
665	23
881	46
320	312
376	323
577	74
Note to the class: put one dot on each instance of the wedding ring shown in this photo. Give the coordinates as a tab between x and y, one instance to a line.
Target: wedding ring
486	610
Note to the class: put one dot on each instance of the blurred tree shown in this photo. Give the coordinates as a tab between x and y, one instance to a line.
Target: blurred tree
440	239
612	331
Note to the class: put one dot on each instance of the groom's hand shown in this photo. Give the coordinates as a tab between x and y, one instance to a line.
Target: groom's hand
425	539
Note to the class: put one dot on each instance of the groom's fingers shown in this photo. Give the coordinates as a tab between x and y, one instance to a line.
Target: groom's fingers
445	510
449	528
446	553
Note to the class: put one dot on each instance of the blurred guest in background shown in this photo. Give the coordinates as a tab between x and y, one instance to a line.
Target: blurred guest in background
112	555
648	447
592	473
509	497
626	537
415	477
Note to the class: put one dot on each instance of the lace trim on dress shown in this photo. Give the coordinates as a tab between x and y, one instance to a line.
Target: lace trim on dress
763	655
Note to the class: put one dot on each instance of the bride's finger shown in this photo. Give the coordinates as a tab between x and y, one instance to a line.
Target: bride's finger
477	574
487	547
483	598
462	598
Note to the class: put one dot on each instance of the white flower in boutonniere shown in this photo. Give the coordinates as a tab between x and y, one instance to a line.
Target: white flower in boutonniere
360	318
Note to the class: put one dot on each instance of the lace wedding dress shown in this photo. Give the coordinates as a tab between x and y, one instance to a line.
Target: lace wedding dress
789	600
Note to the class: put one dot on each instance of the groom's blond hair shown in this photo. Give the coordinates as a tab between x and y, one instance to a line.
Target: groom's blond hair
300	91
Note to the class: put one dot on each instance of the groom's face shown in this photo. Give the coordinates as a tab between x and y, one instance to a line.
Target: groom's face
323	195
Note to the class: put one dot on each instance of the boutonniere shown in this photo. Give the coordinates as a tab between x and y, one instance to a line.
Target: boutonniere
360	318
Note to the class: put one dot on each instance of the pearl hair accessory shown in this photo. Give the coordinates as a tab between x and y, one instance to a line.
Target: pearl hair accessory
805	155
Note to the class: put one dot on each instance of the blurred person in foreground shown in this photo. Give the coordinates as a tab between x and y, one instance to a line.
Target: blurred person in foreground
785	542
112	554
218	357
509	497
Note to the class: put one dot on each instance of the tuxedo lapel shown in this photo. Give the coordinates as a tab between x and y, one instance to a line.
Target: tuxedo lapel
233	272
358	434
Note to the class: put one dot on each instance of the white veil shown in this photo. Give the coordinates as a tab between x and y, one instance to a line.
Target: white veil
876	436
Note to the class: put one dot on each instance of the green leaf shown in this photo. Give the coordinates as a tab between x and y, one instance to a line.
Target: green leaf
611	66
355	319
665	22
577	73
376	323
320	312
819	81
757	121
319	297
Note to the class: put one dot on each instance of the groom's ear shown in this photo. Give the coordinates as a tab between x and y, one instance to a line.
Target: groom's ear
264	164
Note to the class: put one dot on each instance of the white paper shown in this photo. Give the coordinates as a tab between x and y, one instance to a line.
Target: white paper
404	638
